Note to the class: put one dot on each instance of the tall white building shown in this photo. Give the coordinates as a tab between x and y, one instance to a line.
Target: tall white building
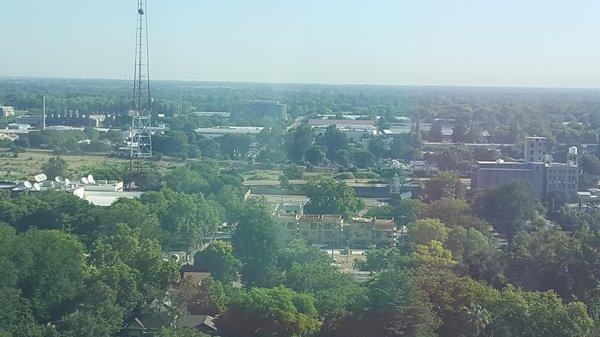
7	111
535	149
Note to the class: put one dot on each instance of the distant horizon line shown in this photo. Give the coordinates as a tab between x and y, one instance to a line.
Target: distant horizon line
466	86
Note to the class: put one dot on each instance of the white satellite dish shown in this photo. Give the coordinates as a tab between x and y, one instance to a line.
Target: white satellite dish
37	187
85	181
44	177
59	179
67	182
90	179
38	178
27	184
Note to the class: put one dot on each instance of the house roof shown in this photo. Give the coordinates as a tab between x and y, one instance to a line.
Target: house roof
135	324
195	277
195	321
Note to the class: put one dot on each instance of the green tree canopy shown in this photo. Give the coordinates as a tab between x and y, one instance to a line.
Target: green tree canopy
550	259
426	230
255	241
261	312
55	167
297	141
329	196
445	184
507	207
218	259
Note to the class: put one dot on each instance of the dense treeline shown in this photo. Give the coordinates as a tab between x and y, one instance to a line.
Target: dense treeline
188	205
73	269
77	270
449	278
566	117
529	109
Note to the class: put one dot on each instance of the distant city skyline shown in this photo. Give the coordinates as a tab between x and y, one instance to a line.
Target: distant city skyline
513	43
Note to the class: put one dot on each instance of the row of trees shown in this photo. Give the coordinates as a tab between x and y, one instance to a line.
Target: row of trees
333	147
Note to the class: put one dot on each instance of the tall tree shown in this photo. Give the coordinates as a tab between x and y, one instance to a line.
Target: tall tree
297	141
208	298
218	259
478	254
329	196
426	230
261	312
55	167
333	140
507	207
445	184
395	309
256	244
550	259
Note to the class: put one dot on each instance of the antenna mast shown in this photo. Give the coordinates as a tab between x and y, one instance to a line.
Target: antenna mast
141	139
43	112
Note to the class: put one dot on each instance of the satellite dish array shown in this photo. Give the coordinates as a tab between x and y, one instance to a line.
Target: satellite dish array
35	186
40	180
89	180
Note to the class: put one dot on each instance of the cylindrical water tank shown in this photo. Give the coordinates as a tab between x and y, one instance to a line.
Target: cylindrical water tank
573	150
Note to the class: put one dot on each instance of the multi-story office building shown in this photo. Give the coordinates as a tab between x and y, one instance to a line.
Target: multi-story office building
546	178
536	149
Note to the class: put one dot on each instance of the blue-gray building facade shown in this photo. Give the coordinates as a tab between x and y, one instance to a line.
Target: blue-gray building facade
546	178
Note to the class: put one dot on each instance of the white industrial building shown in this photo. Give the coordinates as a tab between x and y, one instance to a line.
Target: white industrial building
220	131
99	193
354	129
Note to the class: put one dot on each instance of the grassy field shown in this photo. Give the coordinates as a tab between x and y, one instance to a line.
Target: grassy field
29	163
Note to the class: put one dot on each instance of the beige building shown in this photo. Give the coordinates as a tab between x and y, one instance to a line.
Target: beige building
321	229
333	231
363	232
287	226
313	229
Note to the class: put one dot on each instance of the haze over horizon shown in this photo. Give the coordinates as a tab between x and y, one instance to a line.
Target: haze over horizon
433	42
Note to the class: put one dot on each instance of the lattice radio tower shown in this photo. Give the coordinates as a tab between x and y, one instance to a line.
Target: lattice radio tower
141	117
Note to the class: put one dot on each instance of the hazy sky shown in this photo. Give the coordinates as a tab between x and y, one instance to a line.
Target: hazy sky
416	42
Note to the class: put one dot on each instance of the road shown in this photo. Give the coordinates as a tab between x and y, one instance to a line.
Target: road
296	123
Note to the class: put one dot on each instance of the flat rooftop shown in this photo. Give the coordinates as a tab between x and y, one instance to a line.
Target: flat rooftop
232	130
102	198
340	122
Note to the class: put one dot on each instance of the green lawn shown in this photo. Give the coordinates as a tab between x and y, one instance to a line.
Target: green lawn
29	163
